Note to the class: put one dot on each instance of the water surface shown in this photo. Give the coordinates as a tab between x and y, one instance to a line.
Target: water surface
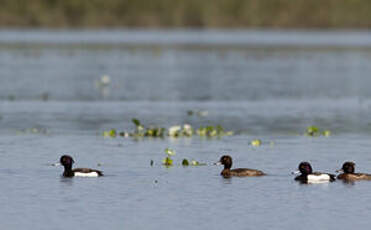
269	85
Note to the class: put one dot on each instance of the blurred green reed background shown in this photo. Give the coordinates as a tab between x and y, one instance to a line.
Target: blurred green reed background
186	13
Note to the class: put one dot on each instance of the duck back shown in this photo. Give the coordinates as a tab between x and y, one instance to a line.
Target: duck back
241	172
354	176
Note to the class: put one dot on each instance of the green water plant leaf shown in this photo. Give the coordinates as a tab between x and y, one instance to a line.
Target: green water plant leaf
256	142
110	133
196	163
326	133
136	122
176	131
167	161
185	162
169	152
211	131
312	131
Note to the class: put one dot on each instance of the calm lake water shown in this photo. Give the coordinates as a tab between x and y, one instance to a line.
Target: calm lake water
269	85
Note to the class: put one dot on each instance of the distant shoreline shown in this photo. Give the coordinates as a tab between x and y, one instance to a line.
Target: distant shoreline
237	14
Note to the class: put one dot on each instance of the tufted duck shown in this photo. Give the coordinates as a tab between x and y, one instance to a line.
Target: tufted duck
228	172
310	177
67	162
349	175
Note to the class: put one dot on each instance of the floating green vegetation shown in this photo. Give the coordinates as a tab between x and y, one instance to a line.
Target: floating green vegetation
213	131
176	131
326	133
169	152
256	142
110	133
179	131
168	161
196	163
314	131
185	162
151	131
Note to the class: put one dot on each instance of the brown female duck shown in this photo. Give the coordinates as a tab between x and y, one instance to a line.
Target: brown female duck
240	172
349	174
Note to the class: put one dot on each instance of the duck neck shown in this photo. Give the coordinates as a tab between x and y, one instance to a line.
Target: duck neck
227	166
68	171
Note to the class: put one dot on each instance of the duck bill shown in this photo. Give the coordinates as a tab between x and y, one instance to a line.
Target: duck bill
217	163
295	172
57	164
339	171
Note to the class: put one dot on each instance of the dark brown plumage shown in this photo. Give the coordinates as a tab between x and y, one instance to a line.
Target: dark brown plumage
349	174
240	172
